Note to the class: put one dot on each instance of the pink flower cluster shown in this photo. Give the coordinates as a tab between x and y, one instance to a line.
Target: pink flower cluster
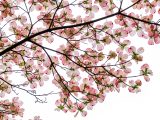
11	108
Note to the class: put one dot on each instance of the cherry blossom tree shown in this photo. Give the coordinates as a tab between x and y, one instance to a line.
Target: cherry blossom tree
81	47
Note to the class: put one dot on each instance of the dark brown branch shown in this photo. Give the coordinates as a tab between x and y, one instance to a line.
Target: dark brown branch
144	21
52	29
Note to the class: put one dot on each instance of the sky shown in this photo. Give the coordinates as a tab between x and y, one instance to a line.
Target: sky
144	105
124	105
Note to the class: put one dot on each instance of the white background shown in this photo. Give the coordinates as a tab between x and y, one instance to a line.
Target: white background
123	106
